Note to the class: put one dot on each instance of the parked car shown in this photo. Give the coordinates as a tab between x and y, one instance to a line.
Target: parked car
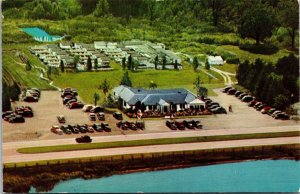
260	107
16	119
97	127
30	99
24	112
69	98
105	127
257	104
265	109
7	117
123	125
188	124
231	91
87	108
140	125
61	119
276	112
237	93
213	107
118	115
282	116
76	105
65	129
56	129
219	110
171	125
131	125
101	116
92	116
180	125
75	129
242	95
225	90
90	129
6	113
71	101
196	124
252	103
97	109
271	111
247	98
81	128
84	139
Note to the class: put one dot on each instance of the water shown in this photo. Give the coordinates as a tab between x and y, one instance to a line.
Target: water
40	35
253	176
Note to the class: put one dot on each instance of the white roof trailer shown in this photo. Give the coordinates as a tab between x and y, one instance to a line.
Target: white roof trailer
215	60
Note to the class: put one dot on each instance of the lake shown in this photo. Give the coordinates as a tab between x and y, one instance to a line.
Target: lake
40	35
249	176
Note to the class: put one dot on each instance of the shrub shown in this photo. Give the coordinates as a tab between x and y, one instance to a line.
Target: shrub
233	60
266	49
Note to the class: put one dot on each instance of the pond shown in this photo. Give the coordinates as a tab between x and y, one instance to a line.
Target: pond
40	35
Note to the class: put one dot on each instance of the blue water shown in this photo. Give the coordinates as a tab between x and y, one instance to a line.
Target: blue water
40	35
253	176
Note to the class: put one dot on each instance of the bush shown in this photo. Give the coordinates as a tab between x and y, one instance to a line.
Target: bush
266	49
233	60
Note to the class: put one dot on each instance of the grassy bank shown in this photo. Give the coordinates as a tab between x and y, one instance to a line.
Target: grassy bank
102	145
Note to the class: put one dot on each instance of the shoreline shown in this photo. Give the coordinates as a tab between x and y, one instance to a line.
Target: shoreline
44	178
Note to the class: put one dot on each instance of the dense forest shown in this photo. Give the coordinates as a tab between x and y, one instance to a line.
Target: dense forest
255	19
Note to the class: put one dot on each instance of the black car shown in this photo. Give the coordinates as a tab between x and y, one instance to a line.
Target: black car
82	128
69	98
219	110
25	113
282	116
237	93
97	109
105	127
171	125
74	129
225	90
6	113
118	115
101	116
97	127
16	119
140	125
188	124
123	125
231	91
180	125
66	129
7	117
84	139
196	124
242	95
30	99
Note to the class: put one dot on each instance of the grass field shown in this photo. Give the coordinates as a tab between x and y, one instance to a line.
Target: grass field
162	141
11	64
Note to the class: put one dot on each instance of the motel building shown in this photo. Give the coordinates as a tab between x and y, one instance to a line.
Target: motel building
162	100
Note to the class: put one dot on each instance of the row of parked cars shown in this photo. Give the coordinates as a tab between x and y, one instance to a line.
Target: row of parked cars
125	125
32	95
18	115
174	125
259	106
69	96
214	107
76	129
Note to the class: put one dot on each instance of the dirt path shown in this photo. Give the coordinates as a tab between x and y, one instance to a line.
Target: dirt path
16	157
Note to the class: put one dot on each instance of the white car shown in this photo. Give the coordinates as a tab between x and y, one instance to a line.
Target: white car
56	129
87	108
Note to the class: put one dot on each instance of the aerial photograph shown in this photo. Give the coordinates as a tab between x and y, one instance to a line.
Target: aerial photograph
160	96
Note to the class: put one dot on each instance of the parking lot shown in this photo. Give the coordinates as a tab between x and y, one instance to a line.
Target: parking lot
50	106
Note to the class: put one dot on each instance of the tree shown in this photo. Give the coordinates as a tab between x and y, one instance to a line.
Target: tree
126	80
49	71
28	66
102	8
281	102
89	64
96	63
201	91
257	22
130	63
76	61
207	65
104	86
164	62
176	65
195	63
152	85
62	66
289	17
156	61
96	98
124	63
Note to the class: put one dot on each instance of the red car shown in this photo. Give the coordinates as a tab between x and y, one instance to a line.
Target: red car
76	105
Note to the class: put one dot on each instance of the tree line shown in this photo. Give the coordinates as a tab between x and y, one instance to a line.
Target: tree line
276	85
255	19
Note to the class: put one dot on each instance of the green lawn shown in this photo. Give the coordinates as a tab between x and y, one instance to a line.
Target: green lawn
11	65
88	82
162	141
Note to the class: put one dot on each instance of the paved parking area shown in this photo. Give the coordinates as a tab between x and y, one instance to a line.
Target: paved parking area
50	105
